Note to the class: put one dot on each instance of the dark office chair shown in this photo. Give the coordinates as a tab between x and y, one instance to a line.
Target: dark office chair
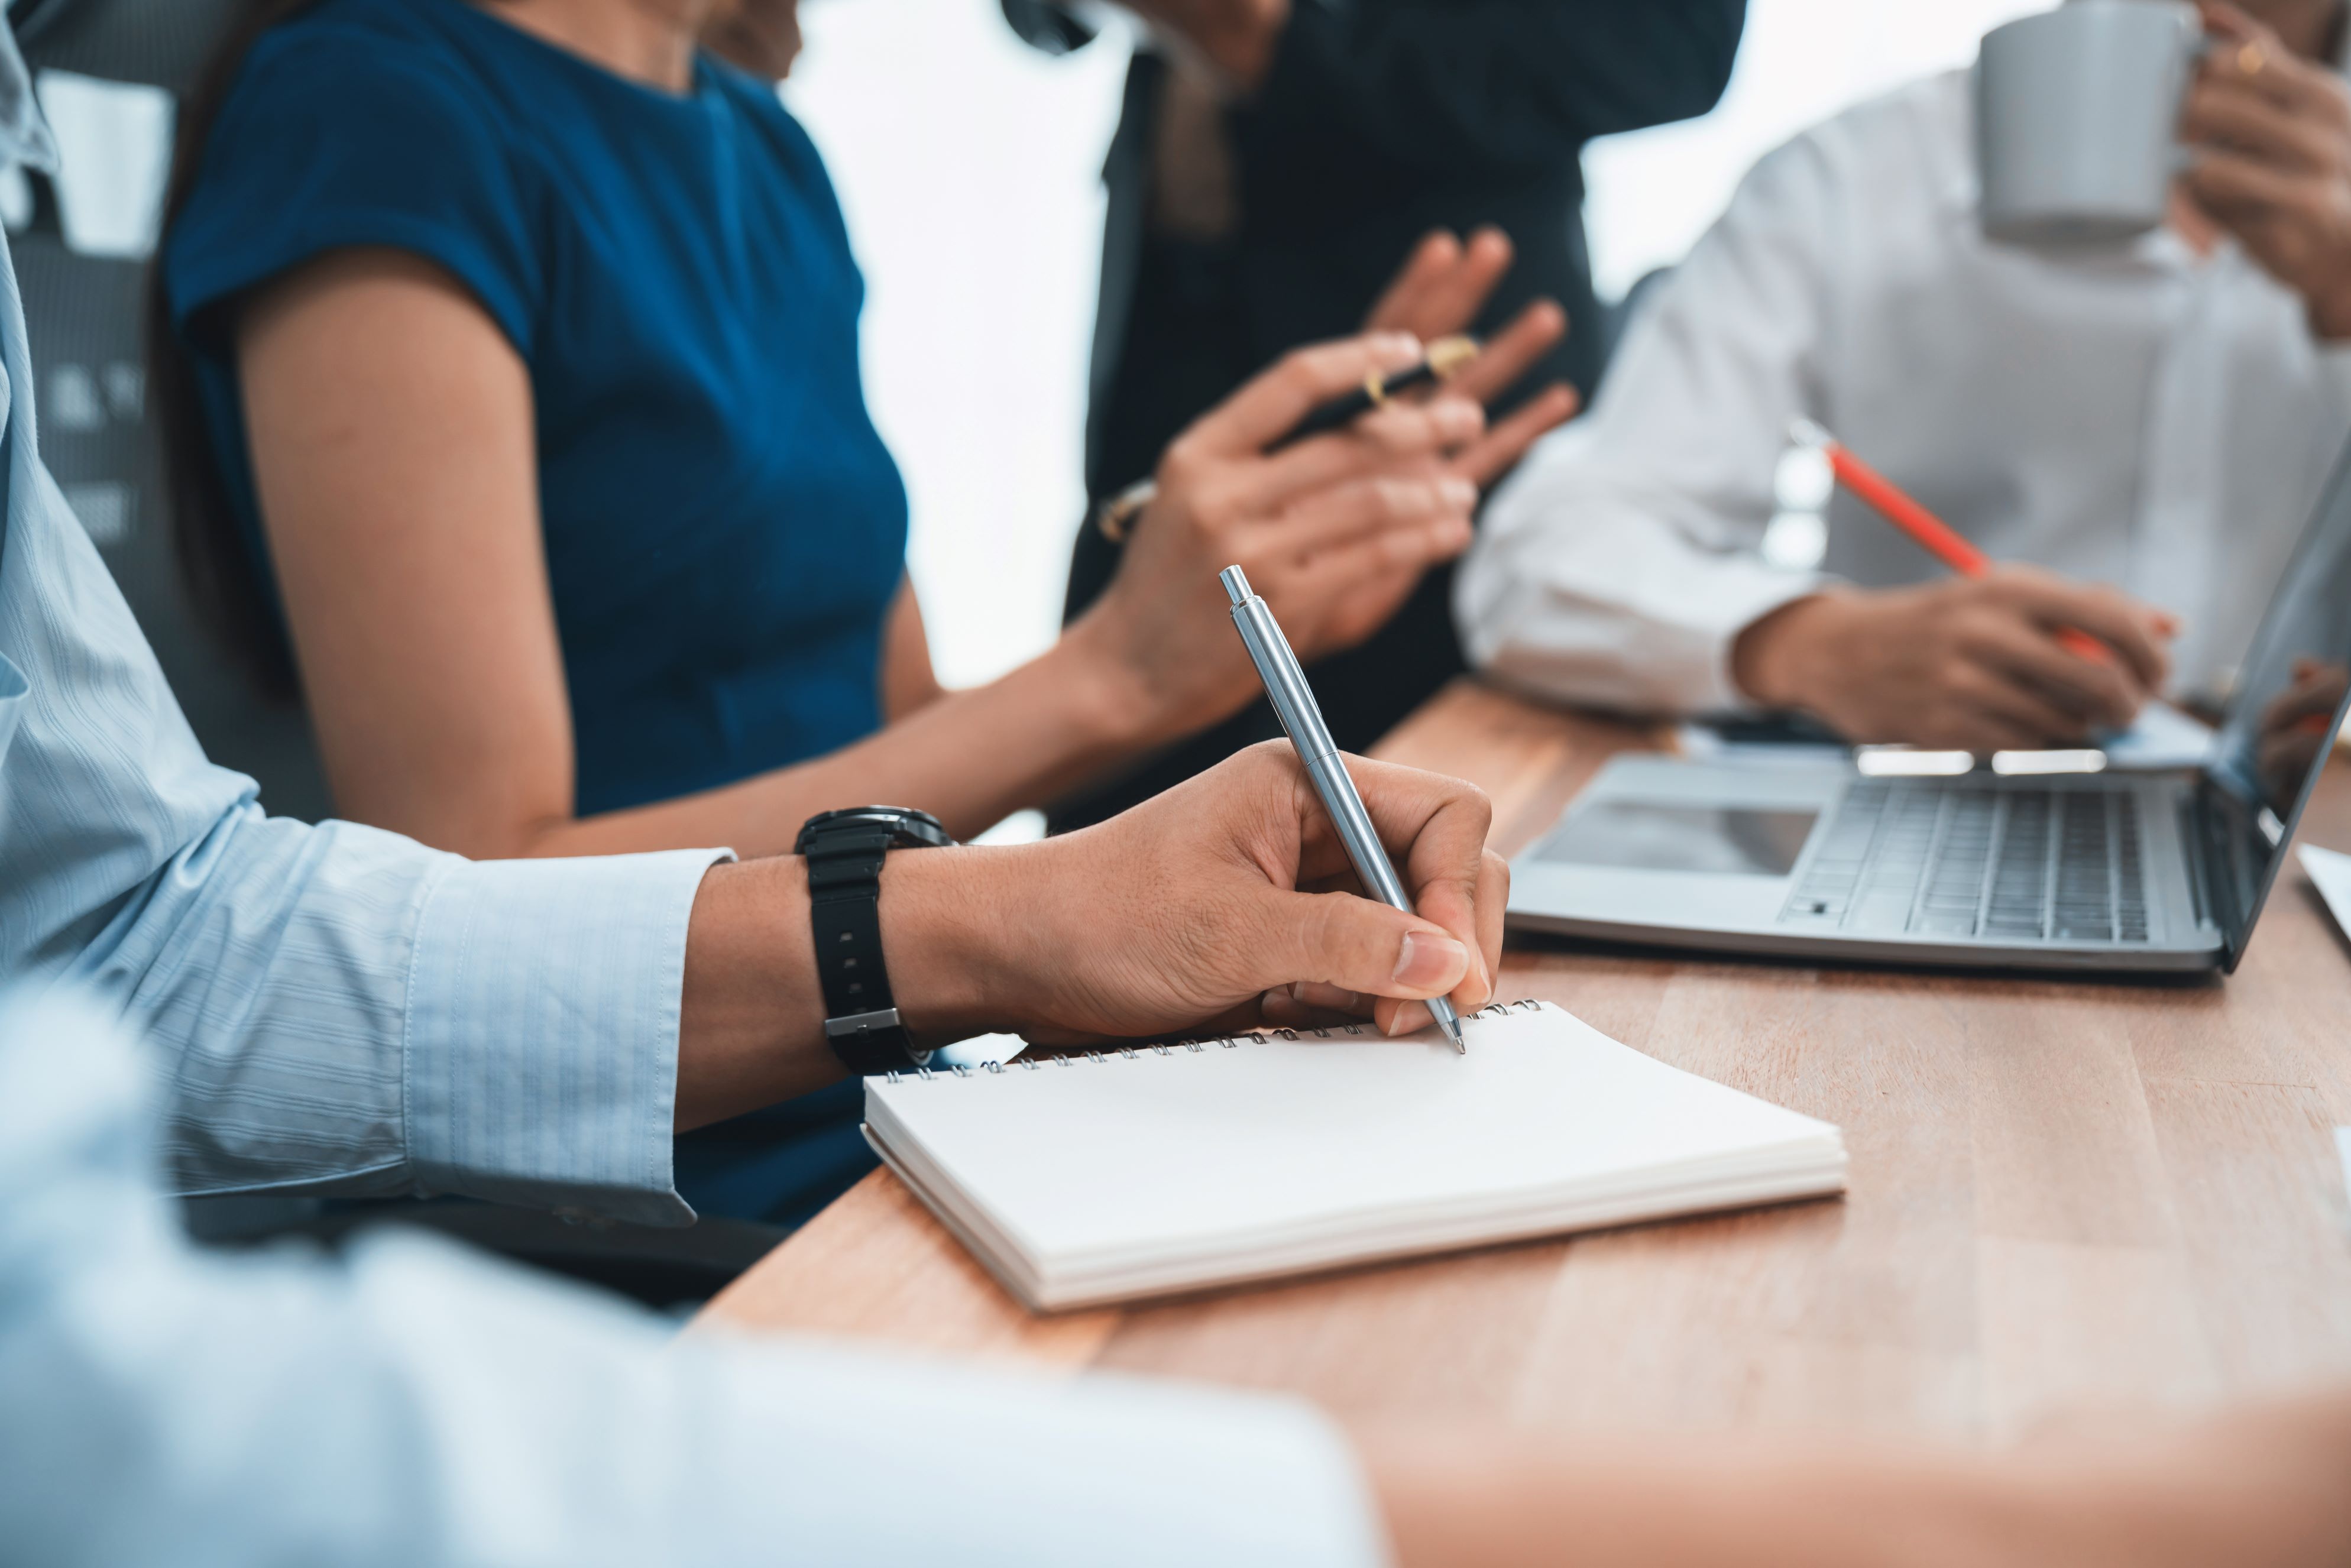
85	315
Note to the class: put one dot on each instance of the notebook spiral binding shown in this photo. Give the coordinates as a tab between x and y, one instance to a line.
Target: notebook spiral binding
1196	1045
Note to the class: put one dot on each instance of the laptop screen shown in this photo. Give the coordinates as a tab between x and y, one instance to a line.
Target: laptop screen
2282	719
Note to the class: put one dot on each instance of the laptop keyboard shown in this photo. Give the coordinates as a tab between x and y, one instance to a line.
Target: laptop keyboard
1935	858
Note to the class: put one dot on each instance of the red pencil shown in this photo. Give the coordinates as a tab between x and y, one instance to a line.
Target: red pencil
1933	535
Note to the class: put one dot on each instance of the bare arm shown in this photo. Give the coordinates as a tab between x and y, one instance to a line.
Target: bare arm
2258	1489
908	681
402	512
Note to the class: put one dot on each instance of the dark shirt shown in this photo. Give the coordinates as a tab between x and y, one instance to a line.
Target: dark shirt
1378	121
723	528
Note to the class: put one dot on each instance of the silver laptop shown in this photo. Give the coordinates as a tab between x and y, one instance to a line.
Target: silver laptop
1812	856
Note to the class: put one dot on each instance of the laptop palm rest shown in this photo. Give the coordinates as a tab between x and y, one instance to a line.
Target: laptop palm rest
1807	858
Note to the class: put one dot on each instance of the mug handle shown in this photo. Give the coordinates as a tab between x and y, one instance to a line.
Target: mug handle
2200	49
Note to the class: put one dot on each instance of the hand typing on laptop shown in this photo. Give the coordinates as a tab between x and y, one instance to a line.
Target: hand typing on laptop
1967	663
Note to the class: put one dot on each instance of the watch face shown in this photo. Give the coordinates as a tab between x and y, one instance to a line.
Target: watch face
907	828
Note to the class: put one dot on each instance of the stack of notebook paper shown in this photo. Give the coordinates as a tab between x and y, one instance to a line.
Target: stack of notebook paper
1079	1180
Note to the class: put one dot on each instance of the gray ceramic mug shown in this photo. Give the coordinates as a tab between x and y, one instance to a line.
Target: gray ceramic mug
2077	119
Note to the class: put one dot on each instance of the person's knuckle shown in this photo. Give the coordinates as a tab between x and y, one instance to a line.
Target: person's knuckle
1181	462
1966	682
1215	503
1961	594
1972	637
1389	495
1332	936
1308	368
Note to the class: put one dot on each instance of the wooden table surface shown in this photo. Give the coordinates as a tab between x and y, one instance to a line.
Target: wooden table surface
2064	1196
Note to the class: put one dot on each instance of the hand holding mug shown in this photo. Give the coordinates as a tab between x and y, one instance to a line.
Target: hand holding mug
2272	138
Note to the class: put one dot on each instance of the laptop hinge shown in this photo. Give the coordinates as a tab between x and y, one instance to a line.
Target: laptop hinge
2192	838
2212	862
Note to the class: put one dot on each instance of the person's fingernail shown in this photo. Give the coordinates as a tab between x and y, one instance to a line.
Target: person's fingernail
1427	961
1396	346
1458	494
1408	1018
1279	1007
1456	416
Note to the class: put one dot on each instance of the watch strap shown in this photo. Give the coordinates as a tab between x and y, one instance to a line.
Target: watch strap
844	874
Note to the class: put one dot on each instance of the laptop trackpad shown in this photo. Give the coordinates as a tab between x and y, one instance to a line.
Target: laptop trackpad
1646	835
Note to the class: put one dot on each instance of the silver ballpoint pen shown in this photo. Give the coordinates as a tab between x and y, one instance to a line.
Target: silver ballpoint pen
1301	719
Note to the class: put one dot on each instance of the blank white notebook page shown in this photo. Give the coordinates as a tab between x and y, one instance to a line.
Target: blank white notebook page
1274	1154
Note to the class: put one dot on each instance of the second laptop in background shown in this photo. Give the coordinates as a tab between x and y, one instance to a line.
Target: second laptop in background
2104	872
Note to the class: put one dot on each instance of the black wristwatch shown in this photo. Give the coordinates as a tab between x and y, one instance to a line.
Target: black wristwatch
845	849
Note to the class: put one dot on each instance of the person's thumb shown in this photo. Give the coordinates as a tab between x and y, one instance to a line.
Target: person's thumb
1359	946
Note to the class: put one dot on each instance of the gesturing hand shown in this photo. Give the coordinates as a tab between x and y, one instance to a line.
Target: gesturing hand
1185	912
1324	528
1439	291
2273	138
1971	664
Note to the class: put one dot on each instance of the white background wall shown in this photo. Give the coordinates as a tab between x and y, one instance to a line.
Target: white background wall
967	164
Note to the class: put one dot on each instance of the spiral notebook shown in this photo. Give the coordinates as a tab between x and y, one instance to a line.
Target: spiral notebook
1158	1169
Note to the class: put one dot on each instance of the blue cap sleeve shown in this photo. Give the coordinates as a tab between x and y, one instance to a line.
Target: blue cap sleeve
328	141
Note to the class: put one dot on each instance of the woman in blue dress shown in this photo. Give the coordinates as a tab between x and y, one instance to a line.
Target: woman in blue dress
512	375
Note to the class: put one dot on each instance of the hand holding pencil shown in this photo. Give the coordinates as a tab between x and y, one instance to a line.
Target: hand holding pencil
1933	535
2002	657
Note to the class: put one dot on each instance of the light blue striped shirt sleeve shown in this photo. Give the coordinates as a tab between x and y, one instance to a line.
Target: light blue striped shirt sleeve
343	1010
408	1403
541	1031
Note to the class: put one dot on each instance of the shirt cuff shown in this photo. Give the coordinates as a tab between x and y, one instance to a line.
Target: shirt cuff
540	1060
1747	595
1656	640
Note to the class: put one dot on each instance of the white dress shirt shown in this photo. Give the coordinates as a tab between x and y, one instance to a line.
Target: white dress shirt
332	1008
2136	415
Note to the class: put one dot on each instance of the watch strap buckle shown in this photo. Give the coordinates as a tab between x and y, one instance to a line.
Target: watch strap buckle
857	1025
